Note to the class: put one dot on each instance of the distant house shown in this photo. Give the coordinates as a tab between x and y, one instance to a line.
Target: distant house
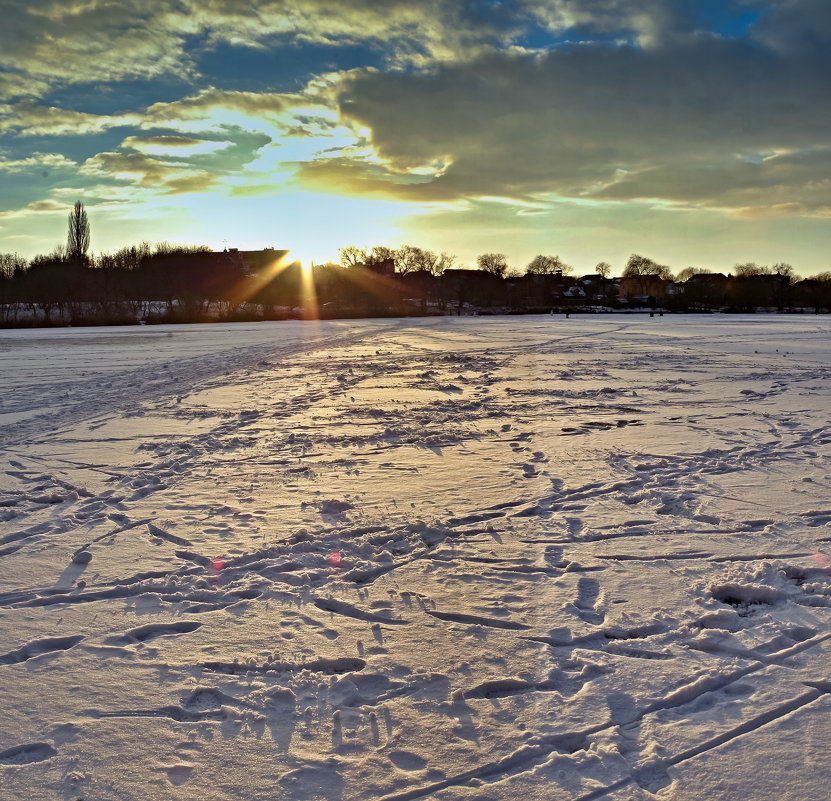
593	283
463	286
706	291
536	290
384	267
420	288
255	261
707	279
642	289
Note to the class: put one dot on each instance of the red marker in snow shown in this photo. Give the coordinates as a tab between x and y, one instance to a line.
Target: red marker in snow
822	561
334	558
218	563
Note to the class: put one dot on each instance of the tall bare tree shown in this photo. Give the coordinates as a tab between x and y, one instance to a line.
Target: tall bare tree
77	240
493	263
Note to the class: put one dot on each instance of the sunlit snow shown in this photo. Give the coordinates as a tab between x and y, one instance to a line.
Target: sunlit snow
455	558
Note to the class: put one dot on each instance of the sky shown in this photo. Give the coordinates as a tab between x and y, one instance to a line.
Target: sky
695	133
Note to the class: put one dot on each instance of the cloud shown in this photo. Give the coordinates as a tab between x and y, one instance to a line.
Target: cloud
44	162
175	146
51	44
409	31
175	164
165	141
93	41
789	182
146	172
29	118
796	28
36	207
204	105
645	22
16	85
594	122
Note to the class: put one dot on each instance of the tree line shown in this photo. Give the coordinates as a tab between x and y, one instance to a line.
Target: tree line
175	283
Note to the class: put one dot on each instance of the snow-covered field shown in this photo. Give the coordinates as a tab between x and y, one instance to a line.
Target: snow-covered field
476	558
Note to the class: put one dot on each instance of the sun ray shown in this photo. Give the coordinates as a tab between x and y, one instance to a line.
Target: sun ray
309	308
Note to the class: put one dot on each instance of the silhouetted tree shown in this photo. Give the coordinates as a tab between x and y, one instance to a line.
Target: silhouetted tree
603	269
642	276
77	240
11	264
352	256
750	269
410	259
785	270
444	262
548	265
814	292
12	269
689	272
642	266
493	263
46	284
379	255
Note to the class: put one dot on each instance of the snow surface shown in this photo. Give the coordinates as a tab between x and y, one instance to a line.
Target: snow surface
578	559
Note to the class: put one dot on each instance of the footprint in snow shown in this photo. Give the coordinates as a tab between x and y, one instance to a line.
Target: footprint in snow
26	754
588	601
407	760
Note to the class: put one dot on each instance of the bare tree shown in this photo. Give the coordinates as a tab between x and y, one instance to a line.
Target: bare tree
785	270
352	256
408	259
444	262
380	254
12	265
689	272
642	266
493	263
642	276
603	269
77	240
750	269
548	265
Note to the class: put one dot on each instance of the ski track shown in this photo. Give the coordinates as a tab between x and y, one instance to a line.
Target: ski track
375	543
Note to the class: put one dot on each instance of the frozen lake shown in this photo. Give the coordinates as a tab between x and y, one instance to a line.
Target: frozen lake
451	558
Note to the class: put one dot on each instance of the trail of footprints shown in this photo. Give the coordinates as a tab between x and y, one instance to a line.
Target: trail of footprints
353	685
